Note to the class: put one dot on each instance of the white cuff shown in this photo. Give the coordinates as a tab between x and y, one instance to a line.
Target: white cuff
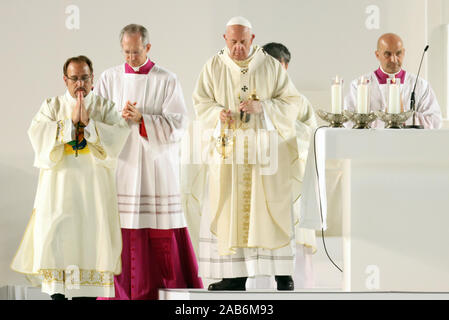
90	132
66	131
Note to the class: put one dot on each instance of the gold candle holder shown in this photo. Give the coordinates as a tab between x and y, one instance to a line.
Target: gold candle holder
336	120
361	120
394	120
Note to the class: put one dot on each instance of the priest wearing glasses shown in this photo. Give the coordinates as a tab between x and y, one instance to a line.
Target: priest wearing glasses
157	250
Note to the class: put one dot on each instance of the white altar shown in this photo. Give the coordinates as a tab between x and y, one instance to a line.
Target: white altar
395	205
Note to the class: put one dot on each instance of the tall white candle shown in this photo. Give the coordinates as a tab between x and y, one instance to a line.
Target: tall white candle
394	97
362	96
336	90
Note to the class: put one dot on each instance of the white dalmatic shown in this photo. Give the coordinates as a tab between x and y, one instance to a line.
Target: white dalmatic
148	168
72	244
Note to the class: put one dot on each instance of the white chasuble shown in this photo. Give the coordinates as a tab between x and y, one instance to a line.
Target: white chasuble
148	184
428	110
251	192
72	244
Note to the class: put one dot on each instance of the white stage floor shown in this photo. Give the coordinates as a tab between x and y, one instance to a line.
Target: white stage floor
327	286
258	294
28	293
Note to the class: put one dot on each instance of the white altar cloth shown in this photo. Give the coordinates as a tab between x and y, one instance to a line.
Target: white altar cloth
395	201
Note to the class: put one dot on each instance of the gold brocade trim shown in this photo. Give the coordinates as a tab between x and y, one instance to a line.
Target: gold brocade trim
60	131
79	277
245	208
52	275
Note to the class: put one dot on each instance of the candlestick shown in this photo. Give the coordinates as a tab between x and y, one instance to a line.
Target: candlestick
394	120
336	91
394	96
363	95
336	120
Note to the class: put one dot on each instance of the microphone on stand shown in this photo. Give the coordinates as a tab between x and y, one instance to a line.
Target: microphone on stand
414	125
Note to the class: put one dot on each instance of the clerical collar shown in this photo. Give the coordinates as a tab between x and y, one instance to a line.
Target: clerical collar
382	76
87	98
143	69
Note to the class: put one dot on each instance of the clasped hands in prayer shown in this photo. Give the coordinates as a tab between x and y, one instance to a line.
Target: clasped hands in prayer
79	113
250	107
130	112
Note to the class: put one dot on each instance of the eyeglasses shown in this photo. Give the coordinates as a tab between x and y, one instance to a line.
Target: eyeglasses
82	79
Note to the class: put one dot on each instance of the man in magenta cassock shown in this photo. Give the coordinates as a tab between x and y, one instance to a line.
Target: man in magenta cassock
157	250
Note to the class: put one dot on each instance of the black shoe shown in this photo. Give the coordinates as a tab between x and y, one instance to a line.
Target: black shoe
233	284
285	283
58	296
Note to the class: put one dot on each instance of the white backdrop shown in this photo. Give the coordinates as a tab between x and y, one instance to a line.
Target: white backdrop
325	38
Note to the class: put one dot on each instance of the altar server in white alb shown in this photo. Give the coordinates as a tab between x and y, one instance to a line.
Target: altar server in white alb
247	230
390	53
157	250
72	244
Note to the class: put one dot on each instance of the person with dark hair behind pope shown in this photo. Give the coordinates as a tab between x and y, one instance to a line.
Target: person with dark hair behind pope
305	125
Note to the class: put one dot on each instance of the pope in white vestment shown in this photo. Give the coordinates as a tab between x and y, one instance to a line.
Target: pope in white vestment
72	244
390	53
248	228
